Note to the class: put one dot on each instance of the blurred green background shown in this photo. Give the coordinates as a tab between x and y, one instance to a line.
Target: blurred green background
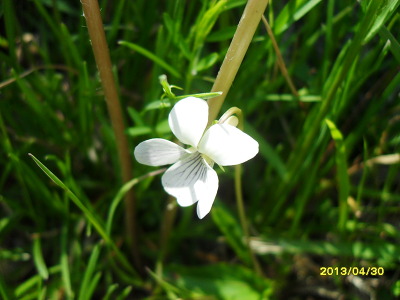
324	191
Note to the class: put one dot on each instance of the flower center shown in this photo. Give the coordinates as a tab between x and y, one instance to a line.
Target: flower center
209	161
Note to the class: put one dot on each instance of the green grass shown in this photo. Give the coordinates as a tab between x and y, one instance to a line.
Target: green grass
314	195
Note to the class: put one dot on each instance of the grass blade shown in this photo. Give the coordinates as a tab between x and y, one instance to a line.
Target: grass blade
65	270
341	173
151	56
232	232
5	293
394	44
292	12
88	213
88	280
384	11
38	258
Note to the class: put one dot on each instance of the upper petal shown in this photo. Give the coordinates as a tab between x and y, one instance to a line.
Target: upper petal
188	120
227	145
190	180
158	152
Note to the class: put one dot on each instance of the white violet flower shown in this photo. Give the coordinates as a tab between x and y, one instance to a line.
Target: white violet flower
191	177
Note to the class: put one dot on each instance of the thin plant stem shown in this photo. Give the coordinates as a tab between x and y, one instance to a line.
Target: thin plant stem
279	58
242	217
233	59
102	56
34	69
238	190
282	66
237	49
165	231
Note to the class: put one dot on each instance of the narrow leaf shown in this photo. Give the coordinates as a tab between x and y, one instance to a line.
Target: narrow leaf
38	258
151	56
86	286
341	173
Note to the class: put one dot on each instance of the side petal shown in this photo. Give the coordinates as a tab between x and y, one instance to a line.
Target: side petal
158	152
188	120
192	180
227	145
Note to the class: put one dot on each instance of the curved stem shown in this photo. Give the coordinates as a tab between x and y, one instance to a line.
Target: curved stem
233	111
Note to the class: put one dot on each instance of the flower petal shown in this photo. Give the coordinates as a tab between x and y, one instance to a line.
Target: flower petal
232	120
190	180
227	145
158	152
188	120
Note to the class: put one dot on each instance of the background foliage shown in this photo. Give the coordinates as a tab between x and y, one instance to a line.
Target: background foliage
323	192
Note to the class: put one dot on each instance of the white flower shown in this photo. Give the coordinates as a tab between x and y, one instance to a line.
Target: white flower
191	178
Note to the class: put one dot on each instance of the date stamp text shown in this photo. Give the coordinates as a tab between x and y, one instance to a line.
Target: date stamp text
356	271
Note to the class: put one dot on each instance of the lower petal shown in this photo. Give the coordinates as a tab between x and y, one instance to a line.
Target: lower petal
192	180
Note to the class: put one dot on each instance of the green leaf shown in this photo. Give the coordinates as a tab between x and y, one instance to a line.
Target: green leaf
125	293
388	252
93	285
38	258
120	195
62	6
158	104
232	231
200	95
151	56
31	283
163	127
90	280
5	292
292	12
138	130
394	43
396	288
110	290
206	23
88	213
207	62
220	281
290	97
64	262
268	152
223	34
383	13
341	173
135	116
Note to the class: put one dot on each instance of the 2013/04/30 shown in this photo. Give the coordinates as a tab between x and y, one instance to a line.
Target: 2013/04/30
343	271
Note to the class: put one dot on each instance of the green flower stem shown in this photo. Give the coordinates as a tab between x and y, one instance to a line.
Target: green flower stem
238	190
102	56
242	216
240	43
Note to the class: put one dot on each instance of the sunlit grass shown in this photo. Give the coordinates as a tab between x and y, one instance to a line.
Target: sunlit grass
322	192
